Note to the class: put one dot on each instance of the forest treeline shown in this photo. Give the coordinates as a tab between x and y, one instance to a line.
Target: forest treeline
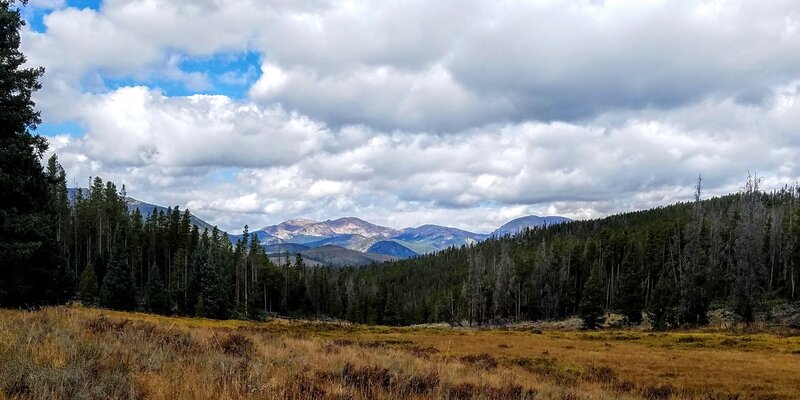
161	262
669	264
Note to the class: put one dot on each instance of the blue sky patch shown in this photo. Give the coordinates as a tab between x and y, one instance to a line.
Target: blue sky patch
224	174
69	128
229	74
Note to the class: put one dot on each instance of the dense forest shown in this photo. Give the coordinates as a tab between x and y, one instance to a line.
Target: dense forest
670	264
738	252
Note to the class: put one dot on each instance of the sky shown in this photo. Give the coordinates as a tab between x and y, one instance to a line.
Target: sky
454	112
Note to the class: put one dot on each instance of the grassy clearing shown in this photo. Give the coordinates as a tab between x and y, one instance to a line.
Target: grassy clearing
65	353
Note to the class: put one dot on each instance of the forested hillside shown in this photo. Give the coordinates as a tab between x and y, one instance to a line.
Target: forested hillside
670	264
739	251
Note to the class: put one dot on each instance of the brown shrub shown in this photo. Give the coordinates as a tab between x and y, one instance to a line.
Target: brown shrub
178	341
467	391
237	344
339	396
507	392
342	342
423	351
421	384
103	324
715	395
484	361
662	392
303	387
622	386
461	391
367	379
547	368
602	374
16	384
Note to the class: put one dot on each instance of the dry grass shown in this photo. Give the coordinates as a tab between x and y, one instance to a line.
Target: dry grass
66	353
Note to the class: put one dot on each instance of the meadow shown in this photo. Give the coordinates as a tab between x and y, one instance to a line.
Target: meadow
85	353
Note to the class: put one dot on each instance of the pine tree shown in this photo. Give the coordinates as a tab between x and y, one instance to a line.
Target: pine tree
503	298
631	300
88	291
196	267
392	315
477	301
592	304
155	293
212	301
694	302
118	290
31	271
661	312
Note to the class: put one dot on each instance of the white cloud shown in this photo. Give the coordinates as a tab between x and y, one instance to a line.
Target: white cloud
462	113
170	147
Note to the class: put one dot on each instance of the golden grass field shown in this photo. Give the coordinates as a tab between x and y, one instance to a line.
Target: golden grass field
84	353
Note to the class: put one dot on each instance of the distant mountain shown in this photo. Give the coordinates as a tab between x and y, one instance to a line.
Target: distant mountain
353	241
516	225
439	237
310	231
391	248
335	255
145	208
348	241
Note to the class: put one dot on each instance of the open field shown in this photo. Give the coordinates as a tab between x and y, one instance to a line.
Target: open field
71	352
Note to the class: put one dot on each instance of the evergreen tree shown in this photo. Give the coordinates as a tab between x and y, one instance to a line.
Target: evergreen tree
31	271
750	236
200	257
212	300
662	313
118	290
392	315
57	180
155	293
694	302
254	288
592	304
631	299
503	298
88	291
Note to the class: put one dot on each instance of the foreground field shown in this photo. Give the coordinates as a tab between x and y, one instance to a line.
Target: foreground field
65	353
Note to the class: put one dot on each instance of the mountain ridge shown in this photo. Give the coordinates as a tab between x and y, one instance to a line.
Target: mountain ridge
354	233
370	242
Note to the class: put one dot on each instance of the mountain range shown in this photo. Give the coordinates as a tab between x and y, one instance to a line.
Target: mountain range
366	242
353	241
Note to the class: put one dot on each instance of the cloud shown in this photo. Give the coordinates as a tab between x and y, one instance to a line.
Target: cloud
288	165
460	113
520	60
451	65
